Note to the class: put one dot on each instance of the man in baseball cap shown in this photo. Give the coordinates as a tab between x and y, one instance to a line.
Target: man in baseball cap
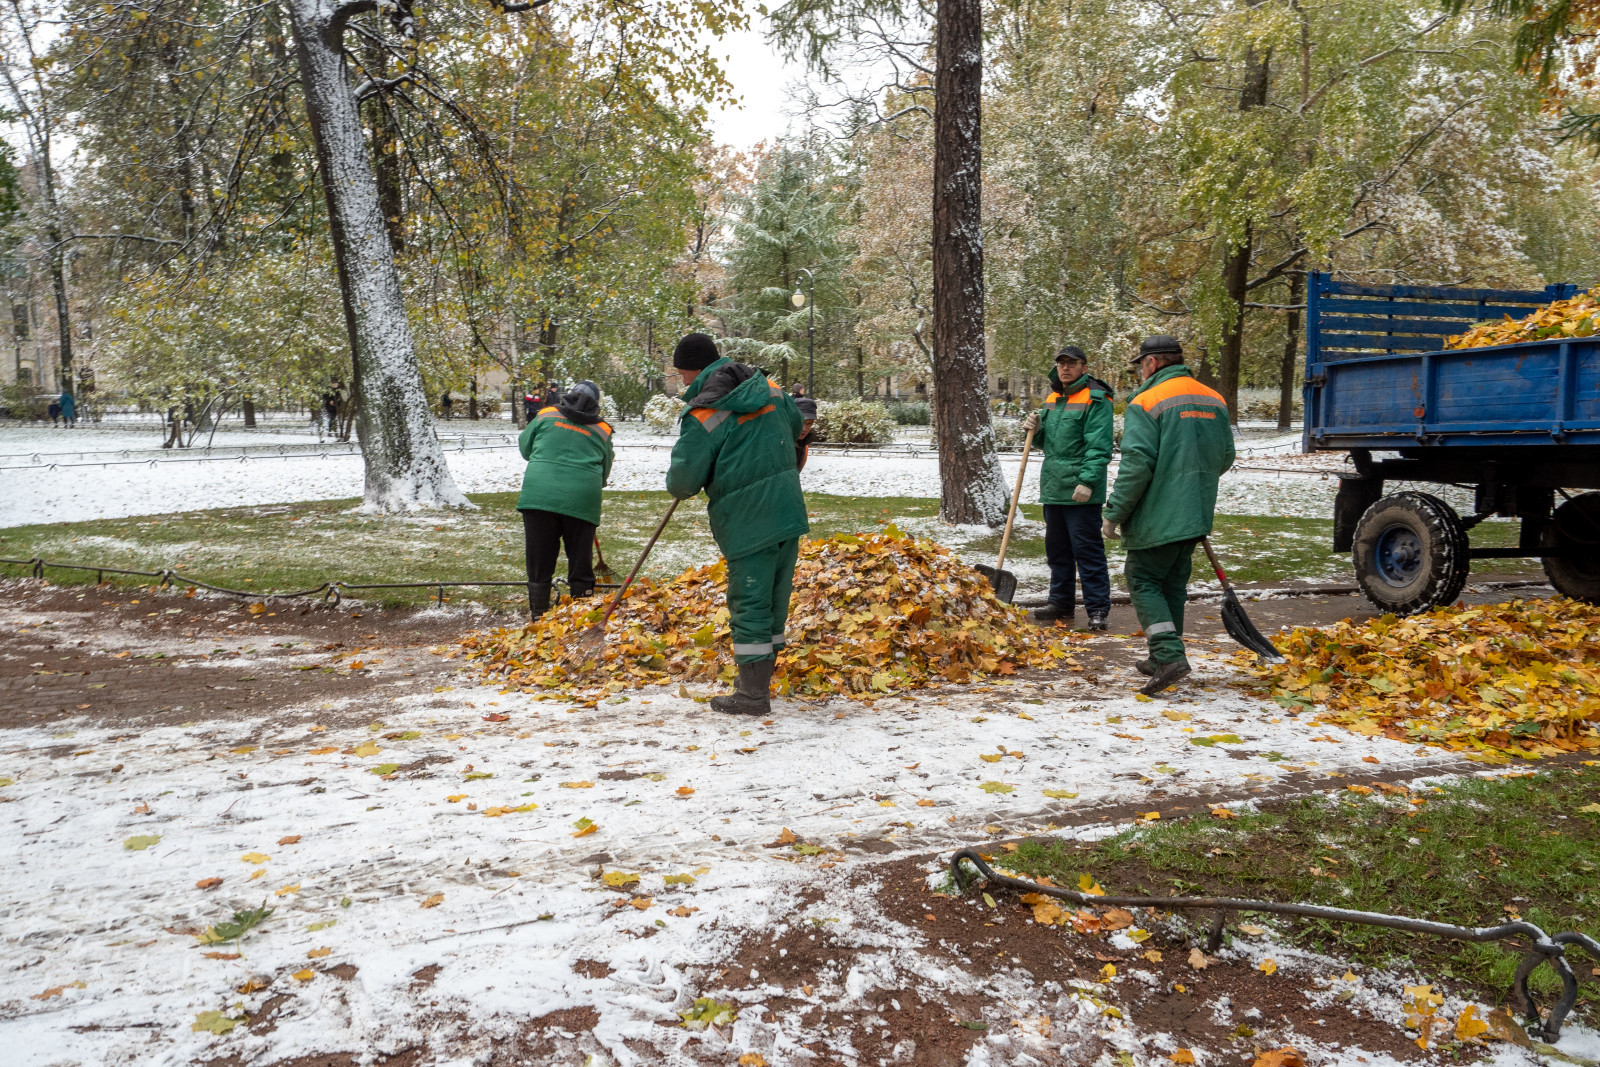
1176	443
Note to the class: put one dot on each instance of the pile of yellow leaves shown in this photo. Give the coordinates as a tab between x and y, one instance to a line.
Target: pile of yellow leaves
871	614
1577	317
1515	679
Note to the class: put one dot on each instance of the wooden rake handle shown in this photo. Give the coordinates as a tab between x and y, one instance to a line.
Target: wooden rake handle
1022	472
662	525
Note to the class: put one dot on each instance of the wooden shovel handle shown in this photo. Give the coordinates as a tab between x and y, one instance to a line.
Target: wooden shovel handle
1212	556
662	525
1022	472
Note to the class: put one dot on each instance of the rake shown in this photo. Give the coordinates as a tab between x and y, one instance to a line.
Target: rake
1234	620
594	636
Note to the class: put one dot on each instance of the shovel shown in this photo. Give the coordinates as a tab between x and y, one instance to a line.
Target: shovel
1234	620
594	636
1004	582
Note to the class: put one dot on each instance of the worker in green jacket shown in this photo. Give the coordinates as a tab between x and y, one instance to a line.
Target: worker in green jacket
1176	444
737	441
568	449
1073	428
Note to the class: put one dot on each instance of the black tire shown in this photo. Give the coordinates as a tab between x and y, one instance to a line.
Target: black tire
1410	553
1574	531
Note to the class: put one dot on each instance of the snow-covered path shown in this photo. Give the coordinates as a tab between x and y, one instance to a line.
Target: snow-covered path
174	481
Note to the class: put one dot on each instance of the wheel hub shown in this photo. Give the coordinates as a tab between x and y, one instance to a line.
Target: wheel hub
1399	555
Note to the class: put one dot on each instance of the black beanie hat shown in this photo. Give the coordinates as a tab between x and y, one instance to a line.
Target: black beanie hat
696	351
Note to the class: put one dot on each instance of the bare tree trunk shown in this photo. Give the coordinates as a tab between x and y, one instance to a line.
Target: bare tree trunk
405	467
1236	271
1291	349
971	486
1235	279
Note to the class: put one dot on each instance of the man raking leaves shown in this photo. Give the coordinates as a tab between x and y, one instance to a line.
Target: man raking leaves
568	449
737	441
1176	444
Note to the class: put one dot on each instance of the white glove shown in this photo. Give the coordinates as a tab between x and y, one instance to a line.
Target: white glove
1082	494
1108	530
1030	422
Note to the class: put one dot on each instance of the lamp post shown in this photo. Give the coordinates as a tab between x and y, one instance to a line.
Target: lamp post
800	300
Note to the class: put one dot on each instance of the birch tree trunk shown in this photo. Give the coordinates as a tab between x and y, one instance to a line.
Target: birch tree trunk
971	486
405	467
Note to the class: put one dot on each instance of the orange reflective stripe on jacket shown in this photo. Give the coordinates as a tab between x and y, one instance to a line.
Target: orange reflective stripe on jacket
555	413
1181	391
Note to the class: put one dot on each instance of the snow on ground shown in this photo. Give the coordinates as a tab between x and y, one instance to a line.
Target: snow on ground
374	879
176	480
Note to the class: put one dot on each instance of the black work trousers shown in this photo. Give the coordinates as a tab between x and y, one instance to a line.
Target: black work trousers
1074	549
544	533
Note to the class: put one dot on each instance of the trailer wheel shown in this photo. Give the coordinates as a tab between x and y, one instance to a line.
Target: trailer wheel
1410	553
1575	530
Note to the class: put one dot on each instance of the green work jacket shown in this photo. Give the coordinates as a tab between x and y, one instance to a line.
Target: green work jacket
1176	443
736	441
1075	436
568	462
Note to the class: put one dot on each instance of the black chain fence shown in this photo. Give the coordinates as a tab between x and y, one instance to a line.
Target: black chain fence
330	593
1542	948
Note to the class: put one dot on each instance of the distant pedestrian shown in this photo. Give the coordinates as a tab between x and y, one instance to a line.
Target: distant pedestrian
69	410
446	403
1073	428
54	411
1176	444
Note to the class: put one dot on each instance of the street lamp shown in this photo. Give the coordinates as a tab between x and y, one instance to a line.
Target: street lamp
800	300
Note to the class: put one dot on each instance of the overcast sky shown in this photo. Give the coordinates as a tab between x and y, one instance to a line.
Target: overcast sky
764	80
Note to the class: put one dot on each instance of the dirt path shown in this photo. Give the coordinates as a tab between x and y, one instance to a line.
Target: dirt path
155	739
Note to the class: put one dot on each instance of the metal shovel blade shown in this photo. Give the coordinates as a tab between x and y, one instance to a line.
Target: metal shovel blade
1242	630
1004	582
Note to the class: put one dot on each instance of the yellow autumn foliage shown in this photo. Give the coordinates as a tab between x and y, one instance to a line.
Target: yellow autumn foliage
1575	317
871	614
1521	678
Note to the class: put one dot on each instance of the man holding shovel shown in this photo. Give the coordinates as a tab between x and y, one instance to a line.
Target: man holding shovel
737	441
1176	444
1074	428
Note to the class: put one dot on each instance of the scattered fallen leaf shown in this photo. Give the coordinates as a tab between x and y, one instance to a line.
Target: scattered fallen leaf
585	827
208	883
685	791
286	890
140	842
1182	1055
433	901
1469	1026
997	787
292	839
365	749
255	857
319	953
707	1012
1197	959
1268	966
621	879
577	785
215	1022
305	975
1283	1057
1060	794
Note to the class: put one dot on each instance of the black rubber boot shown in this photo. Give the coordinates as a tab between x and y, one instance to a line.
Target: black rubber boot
750	690
1144	667
1097	623
1050	613
581	589
1166	676
538	598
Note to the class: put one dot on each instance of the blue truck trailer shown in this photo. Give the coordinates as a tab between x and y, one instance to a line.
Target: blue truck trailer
1518	424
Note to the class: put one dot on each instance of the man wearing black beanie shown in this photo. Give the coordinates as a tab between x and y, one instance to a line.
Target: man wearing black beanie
736	440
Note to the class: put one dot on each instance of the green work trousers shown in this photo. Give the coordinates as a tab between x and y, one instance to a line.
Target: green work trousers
759	585
1158	585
